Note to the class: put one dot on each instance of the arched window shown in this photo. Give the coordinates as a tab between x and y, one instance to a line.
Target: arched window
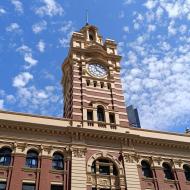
187	172
58	161
168	171
32	159
5	156
146	169
105	167
100	113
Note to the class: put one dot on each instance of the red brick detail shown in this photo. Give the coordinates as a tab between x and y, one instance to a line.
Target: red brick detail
17	173
182	180
44	178
146	183
159	174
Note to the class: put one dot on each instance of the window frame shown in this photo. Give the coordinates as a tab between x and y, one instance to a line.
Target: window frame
57	185
168	171
5	157
146	169
58	161
29	185
101	114
186	169
3	183
31	159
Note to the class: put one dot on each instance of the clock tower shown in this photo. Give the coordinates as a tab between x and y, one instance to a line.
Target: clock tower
91	81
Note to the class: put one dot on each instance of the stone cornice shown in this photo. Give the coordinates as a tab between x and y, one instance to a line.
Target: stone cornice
97	50
58	127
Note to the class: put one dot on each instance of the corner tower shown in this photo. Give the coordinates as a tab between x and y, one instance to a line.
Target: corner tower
91	81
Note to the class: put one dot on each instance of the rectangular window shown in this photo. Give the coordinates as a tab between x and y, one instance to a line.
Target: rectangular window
2	185
102	85
104	170
112	117
28	186
89	115
109	85
95	83
56	187
88	83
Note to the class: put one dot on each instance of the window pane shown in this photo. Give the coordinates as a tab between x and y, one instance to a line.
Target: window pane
104	170
112	118
89	115
58	161
56	187
27	186
32	159
187	172
168	171
2	185
5	156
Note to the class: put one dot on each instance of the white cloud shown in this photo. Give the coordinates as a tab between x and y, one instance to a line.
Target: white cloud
183	29
10	99
51	8
44	101
27	53
126	29
64	41
151	28
22	79
39	27
150	4
1	104
41	46
171	28
136	25
127	2
67	27
18	5
14	27
173	9
2	11
30	61
24	49
176	8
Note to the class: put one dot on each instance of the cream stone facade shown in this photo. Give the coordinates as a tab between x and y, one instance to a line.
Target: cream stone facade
93	147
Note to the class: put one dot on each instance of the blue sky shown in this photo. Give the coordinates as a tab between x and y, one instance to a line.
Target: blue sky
153	37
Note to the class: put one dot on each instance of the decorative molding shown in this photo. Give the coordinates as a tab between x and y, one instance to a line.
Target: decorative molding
132	157
79	152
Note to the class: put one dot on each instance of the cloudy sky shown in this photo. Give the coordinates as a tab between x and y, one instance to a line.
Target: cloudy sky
153	38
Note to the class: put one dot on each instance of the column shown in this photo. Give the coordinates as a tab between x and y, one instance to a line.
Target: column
46	163
158	172
78	169
180	175
16	176
131	172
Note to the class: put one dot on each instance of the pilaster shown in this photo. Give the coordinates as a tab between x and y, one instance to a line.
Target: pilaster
131	171
78	169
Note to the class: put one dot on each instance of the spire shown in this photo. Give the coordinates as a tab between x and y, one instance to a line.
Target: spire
86	16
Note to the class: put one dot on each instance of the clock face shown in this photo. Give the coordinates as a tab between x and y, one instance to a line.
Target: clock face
97	70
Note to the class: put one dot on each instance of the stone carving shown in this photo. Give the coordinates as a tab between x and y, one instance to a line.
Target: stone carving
79	152
131	158
178	163
157	160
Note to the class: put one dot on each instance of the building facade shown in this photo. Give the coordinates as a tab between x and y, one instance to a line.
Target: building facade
93	147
